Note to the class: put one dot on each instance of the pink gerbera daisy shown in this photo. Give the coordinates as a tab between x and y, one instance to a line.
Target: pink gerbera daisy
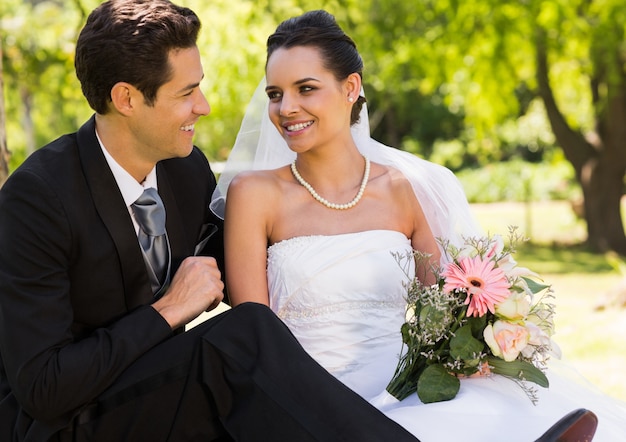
484	284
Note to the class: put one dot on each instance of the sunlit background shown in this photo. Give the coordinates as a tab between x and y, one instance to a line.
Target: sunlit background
524	100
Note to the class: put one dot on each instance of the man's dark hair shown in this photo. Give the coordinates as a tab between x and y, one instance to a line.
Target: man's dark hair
130	41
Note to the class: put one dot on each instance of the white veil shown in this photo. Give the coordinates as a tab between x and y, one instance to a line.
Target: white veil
259	146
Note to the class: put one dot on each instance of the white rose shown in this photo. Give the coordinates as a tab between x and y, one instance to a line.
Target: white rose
505	339
514	308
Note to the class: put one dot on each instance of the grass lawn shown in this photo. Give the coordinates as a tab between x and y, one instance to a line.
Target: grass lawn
591	339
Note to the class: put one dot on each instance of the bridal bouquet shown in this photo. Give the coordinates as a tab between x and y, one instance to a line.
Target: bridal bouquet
484	315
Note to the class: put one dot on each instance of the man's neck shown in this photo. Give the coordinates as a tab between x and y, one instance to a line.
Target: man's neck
116	139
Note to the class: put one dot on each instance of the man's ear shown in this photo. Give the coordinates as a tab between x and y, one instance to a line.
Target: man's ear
123	96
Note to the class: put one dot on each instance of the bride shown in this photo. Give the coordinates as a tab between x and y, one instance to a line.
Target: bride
316	209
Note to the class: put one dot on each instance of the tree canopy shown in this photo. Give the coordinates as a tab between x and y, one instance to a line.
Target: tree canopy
463	83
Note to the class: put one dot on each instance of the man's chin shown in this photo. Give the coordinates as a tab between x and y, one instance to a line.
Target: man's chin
182	152
185	151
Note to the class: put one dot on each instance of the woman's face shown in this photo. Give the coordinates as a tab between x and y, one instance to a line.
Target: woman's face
308	106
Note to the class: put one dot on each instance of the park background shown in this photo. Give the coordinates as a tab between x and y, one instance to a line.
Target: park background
524	100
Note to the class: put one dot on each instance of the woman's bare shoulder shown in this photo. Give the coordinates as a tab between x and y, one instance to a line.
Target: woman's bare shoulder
256	181
391	177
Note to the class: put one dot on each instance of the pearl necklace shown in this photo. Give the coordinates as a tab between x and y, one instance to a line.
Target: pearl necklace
324	201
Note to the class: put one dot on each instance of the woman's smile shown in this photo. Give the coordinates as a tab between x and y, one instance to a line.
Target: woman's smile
295	128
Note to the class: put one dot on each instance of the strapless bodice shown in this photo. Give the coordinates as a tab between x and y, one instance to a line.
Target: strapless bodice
343	297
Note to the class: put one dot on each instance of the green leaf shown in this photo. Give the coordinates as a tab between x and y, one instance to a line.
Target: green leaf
406	335
437	385
465	346
478	325
519	370
534	286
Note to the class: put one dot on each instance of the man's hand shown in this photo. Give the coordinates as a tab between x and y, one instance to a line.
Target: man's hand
195	288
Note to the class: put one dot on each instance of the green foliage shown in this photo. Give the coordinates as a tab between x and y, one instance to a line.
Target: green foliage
40	85
518	181
451	81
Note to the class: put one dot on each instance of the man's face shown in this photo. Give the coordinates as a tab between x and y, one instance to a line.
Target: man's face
165	129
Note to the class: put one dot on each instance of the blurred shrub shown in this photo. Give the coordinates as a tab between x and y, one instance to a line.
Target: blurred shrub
519	181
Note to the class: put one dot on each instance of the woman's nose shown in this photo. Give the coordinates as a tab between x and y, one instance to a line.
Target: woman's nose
288	105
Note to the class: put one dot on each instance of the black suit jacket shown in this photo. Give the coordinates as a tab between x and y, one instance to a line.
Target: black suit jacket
74	291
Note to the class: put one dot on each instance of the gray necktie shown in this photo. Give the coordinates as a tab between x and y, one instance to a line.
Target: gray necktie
150	215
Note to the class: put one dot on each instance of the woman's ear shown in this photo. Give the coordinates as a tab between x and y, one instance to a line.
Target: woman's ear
353	87
122	97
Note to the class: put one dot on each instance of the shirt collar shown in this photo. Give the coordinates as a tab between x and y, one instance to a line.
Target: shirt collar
129	187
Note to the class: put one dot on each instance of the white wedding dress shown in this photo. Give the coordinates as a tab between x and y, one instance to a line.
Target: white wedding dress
343	298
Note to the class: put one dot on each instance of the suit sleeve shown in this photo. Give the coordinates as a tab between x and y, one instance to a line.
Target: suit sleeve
51	372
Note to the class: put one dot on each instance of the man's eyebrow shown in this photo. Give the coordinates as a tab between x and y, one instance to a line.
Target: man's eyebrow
189	87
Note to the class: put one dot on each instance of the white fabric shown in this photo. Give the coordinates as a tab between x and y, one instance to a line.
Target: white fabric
259	146
342	297
129	187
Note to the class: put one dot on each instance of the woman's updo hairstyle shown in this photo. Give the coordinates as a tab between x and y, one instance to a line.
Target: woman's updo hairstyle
320	30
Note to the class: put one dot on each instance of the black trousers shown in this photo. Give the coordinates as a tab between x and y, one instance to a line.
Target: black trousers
238	376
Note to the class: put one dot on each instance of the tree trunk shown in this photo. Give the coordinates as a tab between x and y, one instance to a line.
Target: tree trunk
600	166
4	151
602	188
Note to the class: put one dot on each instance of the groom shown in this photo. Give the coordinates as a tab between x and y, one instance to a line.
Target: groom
91	327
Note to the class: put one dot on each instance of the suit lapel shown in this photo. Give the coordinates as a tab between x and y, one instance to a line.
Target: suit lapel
173	222
114	214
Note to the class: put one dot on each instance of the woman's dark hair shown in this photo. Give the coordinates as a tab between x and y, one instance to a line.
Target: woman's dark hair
130	41
319	29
